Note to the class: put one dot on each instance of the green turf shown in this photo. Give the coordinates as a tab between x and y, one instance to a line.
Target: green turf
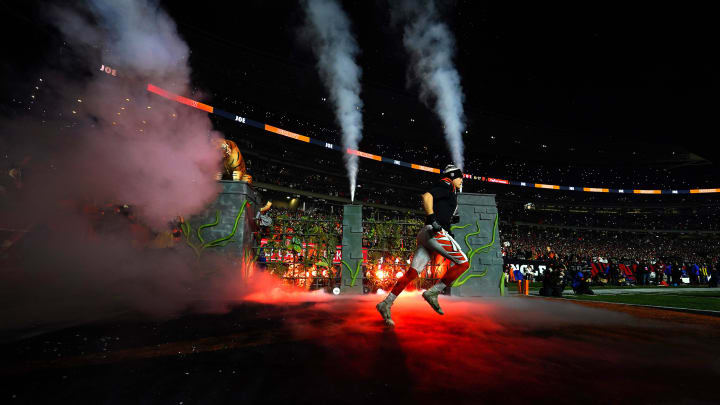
536	286
705	300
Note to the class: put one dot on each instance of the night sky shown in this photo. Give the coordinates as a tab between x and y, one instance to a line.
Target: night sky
595	76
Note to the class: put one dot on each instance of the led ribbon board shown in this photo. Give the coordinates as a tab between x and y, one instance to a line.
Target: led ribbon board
247	121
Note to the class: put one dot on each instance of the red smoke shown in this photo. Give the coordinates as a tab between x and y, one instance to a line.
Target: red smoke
504	350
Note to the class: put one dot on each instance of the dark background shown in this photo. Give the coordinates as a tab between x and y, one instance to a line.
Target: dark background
623	84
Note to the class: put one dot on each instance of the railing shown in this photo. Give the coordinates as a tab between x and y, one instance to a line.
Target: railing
301	250
304	252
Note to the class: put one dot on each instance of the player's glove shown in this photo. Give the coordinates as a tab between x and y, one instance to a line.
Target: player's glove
432	221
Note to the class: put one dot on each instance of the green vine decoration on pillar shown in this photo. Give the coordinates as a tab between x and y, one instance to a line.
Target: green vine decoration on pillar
220	242
502	285
355	273
460	280
454	227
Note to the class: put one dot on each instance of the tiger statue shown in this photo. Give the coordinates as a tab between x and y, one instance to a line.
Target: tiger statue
233	162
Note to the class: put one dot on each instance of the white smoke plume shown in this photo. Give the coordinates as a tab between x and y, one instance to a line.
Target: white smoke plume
431	47
152	152
329	29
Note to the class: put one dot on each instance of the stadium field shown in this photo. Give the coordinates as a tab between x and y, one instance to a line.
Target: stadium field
699	300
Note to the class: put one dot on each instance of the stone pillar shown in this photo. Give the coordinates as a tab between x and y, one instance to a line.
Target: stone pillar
225	226
352	256
479	223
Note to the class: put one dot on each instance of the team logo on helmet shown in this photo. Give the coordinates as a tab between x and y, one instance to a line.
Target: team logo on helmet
452	171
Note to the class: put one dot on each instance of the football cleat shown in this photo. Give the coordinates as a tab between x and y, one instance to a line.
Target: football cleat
432	298
384	309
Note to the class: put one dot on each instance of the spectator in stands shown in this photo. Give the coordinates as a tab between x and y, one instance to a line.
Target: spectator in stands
676	273
704	273
639	271
713	271
659	272
694	274
613	272
667	271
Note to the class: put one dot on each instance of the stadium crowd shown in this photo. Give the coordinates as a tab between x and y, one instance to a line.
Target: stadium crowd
568	230
578	257
615	258
401	188
572	227
605	166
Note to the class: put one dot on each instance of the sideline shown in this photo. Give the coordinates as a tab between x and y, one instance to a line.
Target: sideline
707	312
655	290
630	290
